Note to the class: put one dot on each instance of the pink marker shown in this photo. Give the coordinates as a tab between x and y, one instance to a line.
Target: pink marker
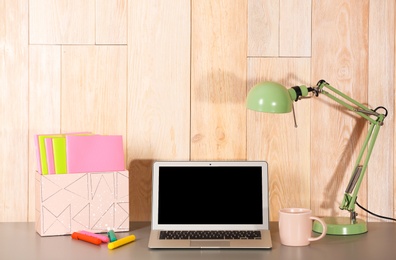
103	238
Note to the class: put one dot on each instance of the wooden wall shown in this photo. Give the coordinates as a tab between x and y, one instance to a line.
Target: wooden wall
172	78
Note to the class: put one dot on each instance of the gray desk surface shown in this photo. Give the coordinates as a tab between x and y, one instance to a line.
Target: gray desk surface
20	241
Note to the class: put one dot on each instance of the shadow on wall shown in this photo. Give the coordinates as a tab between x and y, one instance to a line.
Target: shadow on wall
330	193
140	186
288	81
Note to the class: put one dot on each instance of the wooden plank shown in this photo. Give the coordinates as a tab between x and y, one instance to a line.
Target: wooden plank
339	55
94	87
381	93
14	51
111	22
273	137
158	92
295	28
218	80
263	28
341	41
394	132
62	22
44	103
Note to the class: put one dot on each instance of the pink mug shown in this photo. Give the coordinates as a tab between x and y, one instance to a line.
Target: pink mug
295	226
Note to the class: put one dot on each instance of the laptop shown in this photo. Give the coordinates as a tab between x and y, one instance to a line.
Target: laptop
219	204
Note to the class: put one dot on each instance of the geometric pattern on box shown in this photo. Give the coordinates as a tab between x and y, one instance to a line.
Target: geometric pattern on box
66	203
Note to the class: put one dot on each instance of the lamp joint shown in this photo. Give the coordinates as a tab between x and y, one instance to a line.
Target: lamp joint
353	217
315	91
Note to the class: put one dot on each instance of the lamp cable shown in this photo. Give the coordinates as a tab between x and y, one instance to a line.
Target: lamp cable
374	214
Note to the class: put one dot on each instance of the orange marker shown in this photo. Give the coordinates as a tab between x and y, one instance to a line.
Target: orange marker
89	239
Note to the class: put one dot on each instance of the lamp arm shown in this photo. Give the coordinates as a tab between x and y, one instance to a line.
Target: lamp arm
350	194
361	109
376	121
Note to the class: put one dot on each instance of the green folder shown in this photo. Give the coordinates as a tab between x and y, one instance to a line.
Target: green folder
43	154
59	148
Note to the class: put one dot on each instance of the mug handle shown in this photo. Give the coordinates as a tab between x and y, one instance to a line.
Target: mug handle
323	232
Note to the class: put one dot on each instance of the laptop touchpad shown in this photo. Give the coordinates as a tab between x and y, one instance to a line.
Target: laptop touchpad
203	243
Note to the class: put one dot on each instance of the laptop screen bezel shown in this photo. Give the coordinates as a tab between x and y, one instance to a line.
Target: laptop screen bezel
265	195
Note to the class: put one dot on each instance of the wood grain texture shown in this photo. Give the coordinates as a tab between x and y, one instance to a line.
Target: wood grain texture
263	28
14	110
158	93
340	56
62	22
44	103
218	80
394	132
295	28
111	21
94	87
172	77
380	93
273	137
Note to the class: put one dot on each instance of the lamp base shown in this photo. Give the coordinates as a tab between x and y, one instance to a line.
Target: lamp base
341	226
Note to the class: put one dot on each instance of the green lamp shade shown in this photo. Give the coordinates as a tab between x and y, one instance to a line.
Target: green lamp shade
269	97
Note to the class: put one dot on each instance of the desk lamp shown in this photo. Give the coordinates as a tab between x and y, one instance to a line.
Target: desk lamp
272	97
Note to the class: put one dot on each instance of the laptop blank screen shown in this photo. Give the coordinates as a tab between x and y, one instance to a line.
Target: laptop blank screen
210	195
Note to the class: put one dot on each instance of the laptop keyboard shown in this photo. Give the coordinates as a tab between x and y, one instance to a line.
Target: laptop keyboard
238	234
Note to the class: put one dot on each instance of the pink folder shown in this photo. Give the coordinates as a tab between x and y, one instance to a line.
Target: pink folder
94	153
38	156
